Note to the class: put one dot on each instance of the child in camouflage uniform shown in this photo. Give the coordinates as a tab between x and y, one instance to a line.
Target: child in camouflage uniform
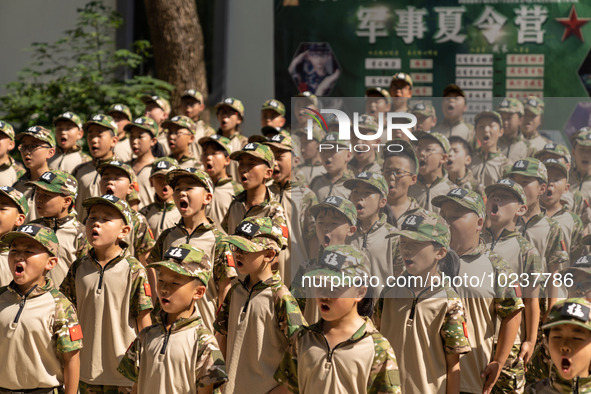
101	138
121	114
162	213
42	337
158	108
230	114
215	157
112	295
54	201
343	351
568	339
311	167
13	211
177	354
37	146
192	105
425	326
365	160
180	135
335	160
488	162
486	302
580	176
118	179
532	120
142	138
458	163
259	314
512	144
68	131
10	170
505	204
273	114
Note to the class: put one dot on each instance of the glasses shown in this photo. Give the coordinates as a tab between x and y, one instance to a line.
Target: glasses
397	173
177	133
32	148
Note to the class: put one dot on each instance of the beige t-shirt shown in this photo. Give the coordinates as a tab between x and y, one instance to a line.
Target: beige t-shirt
224	192
161	216
5	274
424	194
88	183
68	161
323	187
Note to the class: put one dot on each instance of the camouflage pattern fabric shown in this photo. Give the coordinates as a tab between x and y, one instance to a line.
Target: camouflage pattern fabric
201	176
186	260
40	233
375	180
85	388
7	129
19	198
533	104
222	141
113	201
437	137
193	93
510	185
163	166
254	234
274	105
121	108
256	150
103	120
181	121
555	151
233	103
40	133
424	108
529	167
489	114
425	226
511	105
339	204
381	91
512	377
279	141
144	123
466	198
584	137
69	116
163	103
337	260
57	181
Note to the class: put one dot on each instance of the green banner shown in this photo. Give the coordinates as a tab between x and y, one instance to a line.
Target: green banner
490	48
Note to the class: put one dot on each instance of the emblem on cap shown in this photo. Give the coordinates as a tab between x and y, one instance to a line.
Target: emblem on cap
532	102
277	138
97	117
48	176
229	101
333	200
249	146
412	222
162	164
520	164
575	311
176	254
458	192
248	229
333	260
111	197
28	229
506	181
504	103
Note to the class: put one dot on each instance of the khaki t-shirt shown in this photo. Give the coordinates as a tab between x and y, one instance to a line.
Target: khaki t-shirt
5	273
10	172
68	161
123	149
88	183
488	169
108	300
547	237
237	212
515	148
424	194
323	186
29	193
146	191
311	171
224	192
37	329
461	129
161	216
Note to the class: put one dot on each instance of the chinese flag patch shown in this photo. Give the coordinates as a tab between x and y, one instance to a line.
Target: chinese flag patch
151	233
148	289
75	333
285	231
136	186
465	329
230	260
563	245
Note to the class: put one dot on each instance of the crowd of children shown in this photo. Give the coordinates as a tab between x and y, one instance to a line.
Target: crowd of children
176	258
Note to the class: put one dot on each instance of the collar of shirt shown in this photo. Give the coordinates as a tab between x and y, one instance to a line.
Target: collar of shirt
241	197
7	165
467	177
531	221
365	330
561	210
185	158
223	181
75	148
274	280
382	219
568	386
437	180
511	140
56	223
489	156
184	323
114	261
505	234
35	292
203	227
310	163
576	177
98	162
477	251
164	205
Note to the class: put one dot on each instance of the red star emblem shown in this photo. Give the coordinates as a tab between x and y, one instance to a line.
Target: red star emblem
572	24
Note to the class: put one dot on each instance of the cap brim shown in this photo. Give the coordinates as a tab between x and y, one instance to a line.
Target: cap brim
278	145
173	176
439	200
559	322
586	270
44	186
243	243
324	272
11	236
410	235
499	186
145	128
89	202
315	209
239	154
350	184
174	267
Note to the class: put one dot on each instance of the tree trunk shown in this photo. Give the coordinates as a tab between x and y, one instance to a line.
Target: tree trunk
177	39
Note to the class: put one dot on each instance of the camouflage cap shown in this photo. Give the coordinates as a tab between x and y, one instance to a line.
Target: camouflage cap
575	311
274	105
529	167
270	131
163	103
163	166
511	105
556	150
201	176
257	150
424	108
258	138
533	104
453	88
17	197
233	103
341	260
186	260
339	204
71	117
220	140
401	77
193	93
408	150
144	123
333	138
121	108
309	96
40	133
108	199
560	166
584	137
510	185
40	233
424	226
467	198
182	121
439	138
101	120
377	181
379	91
489	114
57	181
317	132
367	122
258	234
279	141
582	264
7	129
120	165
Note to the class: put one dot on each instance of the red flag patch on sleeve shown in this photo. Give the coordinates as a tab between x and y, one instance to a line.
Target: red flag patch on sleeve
151	233
148	289
75	333
465	329
230	260
285	231
563	245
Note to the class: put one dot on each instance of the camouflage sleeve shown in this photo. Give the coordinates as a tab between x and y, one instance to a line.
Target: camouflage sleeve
383	376
377	312
576	237
556	253
227	218
144	239
210	368
223	267
81	243
287	371
454	331
66	328
221	321
140	289
277	213
129	366
532	264
68	286
507	299
288	313
307	220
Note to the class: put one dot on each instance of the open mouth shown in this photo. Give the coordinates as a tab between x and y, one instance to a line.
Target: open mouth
95	233
110	190
326	241
184	204
276	172
486	138
239	263
208	167
63	140
422	163
495	209
565	365
359	207
327	162
19	269
408	262
324	307
243	179
450	107
549	193
164	301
